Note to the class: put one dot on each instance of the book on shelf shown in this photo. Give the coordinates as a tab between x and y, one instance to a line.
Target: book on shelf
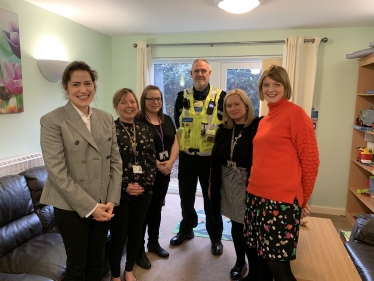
363	128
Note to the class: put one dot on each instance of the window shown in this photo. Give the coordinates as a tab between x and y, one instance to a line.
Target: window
172	76
245	76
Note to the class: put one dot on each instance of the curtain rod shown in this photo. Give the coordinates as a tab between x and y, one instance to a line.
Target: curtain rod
324	40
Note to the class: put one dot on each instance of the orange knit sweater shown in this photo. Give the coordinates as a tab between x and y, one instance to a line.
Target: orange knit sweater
285	155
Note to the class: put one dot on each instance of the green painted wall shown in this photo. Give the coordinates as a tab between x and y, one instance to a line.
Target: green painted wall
335	88
20	132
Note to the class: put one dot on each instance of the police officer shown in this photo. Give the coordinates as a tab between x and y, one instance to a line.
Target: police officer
197	113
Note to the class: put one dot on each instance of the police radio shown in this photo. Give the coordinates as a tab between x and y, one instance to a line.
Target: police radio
186	103
210	107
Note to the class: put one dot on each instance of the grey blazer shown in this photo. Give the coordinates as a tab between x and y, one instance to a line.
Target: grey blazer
83	168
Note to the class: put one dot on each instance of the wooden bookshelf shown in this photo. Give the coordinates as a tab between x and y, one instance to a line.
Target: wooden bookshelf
359	173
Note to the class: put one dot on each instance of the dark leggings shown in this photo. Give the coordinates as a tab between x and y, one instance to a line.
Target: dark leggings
277	270
242	250
153	216
126	225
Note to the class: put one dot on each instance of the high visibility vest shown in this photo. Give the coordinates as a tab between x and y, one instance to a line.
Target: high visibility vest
198	129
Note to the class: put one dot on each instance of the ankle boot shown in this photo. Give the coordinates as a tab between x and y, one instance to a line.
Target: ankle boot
142	260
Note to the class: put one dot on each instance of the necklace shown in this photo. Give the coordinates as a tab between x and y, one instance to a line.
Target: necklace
132	138
233	142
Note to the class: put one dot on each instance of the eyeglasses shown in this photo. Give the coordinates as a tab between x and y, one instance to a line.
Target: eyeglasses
154	99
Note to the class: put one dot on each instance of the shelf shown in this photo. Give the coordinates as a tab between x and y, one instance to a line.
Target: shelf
366	95
361	130
359	172
358	204
363	166
367	60
367	201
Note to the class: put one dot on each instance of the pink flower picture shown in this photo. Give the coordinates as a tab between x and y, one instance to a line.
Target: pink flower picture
11	86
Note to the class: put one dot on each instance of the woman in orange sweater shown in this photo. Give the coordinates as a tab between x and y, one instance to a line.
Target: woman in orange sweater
284	169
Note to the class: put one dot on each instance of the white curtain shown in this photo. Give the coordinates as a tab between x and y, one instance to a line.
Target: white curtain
144	67
300	61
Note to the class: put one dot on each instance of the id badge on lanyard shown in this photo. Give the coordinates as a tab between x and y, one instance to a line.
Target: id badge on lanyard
231	164
137	169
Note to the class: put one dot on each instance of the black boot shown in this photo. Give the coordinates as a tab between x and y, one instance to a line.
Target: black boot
158	250
142	260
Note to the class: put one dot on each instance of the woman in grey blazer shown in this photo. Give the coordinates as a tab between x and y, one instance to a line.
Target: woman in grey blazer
81	155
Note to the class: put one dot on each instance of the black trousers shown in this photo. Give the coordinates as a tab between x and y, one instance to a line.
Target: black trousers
192	168
153	216
127	225
84	240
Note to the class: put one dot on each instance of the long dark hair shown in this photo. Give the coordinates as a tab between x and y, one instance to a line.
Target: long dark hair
141	114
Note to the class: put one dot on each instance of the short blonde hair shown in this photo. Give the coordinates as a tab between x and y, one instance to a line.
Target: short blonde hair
279	74
229	122
122	92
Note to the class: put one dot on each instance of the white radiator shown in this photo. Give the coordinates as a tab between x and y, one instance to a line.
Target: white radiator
17	164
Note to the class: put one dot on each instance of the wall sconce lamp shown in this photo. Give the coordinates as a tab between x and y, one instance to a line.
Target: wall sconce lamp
52	69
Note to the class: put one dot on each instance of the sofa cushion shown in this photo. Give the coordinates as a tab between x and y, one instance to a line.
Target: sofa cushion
46	217
35	178
362	256
15	199
43	255
18	232
22	277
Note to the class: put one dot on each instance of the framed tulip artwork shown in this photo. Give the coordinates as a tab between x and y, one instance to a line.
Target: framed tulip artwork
11	89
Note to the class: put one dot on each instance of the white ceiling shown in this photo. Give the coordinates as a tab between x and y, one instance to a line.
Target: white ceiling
136	17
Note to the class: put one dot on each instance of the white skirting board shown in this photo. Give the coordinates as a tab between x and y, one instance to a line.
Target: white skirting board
328	210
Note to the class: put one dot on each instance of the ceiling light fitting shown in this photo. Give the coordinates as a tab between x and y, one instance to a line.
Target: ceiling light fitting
237	6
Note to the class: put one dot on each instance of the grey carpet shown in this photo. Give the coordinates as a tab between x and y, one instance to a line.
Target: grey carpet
192	261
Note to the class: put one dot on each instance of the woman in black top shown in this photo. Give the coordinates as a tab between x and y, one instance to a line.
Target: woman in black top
230	168
167	149
137	151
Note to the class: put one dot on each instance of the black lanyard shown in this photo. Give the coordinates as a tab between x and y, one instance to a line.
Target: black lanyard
161	134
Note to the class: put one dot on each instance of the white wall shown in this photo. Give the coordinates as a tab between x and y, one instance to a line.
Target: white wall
20	131
335	89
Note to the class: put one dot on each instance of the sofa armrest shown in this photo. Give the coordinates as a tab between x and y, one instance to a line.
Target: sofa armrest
35	178
363	230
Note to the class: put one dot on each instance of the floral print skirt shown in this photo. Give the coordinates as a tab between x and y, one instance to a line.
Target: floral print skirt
272	227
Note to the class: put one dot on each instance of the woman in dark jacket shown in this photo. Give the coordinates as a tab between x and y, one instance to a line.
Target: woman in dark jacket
137	150
230	167
167	150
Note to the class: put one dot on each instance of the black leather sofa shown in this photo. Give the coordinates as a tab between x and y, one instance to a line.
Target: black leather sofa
31	249
361	246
